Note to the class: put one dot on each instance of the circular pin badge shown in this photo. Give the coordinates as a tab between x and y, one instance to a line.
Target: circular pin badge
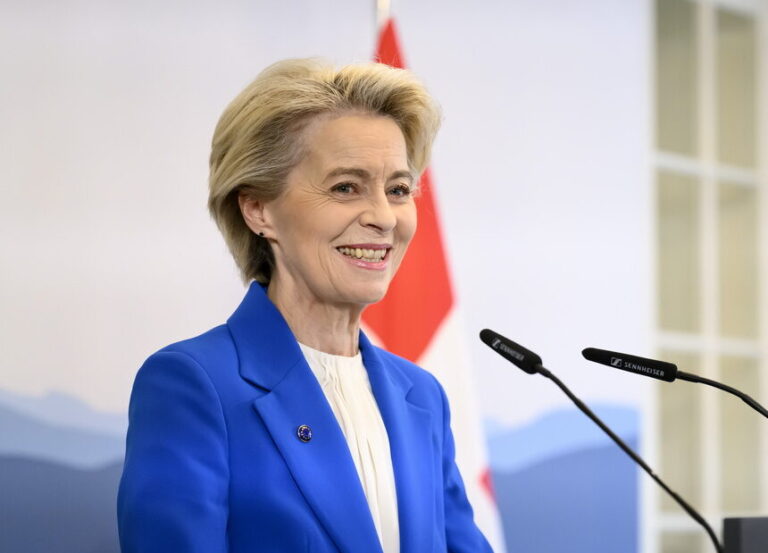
304	433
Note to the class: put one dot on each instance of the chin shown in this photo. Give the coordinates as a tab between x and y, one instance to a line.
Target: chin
368	295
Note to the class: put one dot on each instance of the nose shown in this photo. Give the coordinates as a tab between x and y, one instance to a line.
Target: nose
379	214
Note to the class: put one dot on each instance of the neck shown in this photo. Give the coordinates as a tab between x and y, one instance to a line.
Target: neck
330	328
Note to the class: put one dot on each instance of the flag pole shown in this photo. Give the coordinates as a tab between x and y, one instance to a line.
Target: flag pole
382	13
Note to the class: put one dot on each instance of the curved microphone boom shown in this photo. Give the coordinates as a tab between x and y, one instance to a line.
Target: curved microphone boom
532	364
662	370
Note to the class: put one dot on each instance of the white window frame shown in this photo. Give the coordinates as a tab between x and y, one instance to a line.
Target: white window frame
707	344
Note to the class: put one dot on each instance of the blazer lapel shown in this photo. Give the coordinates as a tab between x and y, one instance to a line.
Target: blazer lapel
270	358
409	428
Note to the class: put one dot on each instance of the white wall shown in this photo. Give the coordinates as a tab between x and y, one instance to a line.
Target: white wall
541	168
544	183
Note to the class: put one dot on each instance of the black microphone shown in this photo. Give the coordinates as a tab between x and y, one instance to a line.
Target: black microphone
517	354
632	363
663	371
532	364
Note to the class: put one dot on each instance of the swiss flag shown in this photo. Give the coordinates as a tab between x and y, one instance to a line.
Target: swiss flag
418	320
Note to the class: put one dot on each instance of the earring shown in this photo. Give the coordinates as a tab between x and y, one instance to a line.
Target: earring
261	234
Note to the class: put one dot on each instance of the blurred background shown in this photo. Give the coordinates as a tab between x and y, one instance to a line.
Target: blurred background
600	178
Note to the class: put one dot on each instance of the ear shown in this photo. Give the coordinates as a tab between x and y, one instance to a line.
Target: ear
255	214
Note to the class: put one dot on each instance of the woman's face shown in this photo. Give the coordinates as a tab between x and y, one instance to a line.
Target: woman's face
347	215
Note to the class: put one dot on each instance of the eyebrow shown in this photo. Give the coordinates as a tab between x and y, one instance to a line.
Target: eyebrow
363	174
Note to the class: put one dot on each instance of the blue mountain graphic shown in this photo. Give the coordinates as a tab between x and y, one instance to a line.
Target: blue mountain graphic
554	434
47	507
562	485
60	409
24	436
60	465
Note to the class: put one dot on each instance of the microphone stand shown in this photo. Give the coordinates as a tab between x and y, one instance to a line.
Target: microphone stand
635	457
531	363
739	534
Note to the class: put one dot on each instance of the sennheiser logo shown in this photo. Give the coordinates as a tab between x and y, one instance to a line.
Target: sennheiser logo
498	344
634	367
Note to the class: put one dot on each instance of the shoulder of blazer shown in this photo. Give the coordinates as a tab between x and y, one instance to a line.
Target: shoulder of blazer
214	351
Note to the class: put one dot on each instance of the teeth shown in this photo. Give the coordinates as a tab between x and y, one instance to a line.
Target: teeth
366	254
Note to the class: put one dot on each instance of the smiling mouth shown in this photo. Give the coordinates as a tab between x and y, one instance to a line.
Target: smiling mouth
365	254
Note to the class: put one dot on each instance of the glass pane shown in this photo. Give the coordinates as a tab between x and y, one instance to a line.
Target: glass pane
736	94
738	260
678	267
740	442
677	76
680	439
678	542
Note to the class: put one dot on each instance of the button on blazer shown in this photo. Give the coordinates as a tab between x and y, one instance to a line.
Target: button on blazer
214	462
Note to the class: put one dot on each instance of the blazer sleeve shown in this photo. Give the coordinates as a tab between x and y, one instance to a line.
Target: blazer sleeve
461	533
173	494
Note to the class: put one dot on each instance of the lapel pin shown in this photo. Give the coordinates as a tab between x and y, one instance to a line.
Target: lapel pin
304	433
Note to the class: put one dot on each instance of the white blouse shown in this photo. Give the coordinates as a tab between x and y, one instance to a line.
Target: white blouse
345	384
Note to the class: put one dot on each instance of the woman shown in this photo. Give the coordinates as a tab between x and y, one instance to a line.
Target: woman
285	430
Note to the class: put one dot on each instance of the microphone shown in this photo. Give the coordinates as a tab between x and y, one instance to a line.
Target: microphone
532	364
662	370
639	365
515	353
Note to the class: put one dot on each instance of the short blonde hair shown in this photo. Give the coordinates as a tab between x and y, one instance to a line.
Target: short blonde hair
257	140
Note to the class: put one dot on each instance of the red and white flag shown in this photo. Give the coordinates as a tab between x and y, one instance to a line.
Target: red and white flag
418	320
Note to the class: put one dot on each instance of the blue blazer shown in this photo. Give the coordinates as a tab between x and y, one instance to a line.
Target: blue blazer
213	462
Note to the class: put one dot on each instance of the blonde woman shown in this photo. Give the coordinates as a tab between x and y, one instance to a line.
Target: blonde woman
285	429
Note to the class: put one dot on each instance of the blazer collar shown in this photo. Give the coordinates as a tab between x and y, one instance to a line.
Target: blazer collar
271	359
265	345
322	468
411	443
268	349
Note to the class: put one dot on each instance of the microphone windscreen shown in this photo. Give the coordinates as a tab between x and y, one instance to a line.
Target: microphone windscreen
517	354
661	370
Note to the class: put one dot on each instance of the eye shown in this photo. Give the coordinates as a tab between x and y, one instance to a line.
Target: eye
344	188
400	191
